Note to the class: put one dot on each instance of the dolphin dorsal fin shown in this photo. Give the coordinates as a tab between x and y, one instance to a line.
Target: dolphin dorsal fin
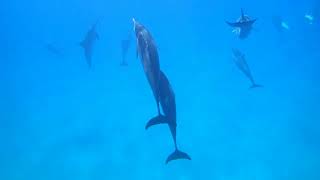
242	14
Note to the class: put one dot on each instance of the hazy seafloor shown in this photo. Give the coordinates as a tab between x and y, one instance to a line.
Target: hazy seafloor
60	120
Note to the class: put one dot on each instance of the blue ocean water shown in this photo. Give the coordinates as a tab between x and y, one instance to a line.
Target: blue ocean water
61	120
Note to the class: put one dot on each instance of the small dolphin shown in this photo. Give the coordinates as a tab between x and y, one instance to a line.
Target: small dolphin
280	24
240	61
309	18
313	15
149	57
89	42
243	26
125	45
168	104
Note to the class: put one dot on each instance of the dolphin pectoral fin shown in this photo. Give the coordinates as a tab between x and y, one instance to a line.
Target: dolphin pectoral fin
250	22
157	120
255	86
177	155
241	24
237	24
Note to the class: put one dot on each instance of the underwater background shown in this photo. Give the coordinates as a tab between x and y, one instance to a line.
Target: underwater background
61	120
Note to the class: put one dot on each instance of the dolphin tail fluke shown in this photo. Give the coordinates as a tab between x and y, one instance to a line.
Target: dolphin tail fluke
157	120
123	63
176	155
251	22
256	86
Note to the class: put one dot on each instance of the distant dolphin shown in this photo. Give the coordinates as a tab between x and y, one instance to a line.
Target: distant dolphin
149	57
314	15
280	24
240	61
125	45
309	18
243	26
168	104
89	42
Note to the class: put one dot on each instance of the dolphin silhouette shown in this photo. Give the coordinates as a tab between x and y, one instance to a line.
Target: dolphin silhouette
240	61
88	42
243	25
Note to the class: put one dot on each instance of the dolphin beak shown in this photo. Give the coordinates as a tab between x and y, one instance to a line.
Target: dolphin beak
134	24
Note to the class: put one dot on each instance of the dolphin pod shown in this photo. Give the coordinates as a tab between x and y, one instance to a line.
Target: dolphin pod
160	85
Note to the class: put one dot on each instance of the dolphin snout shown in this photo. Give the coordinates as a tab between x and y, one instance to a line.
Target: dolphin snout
134	24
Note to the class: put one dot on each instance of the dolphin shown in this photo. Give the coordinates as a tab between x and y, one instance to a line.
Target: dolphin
309	18
147	50
125	45
168	104
88	42
280	24
240	61
243	26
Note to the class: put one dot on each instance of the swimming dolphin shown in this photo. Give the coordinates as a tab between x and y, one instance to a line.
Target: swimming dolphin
313	15
149	57
280	24
125	45
309	18
168	104
88	43
243	26
240	61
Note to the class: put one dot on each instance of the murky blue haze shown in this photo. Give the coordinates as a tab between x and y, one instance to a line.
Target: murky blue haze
61	120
